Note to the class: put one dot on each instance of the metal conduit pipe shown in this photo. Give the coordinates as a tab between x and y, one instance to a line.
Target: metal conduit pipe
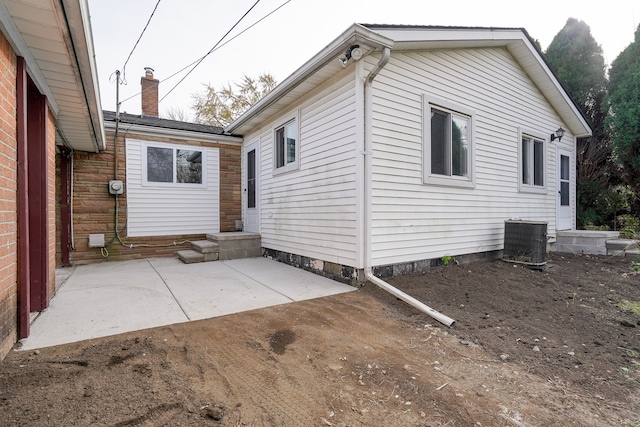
368	115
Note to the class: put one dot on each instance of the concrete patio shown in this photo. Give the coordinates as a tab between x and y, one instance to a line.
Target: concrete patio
105	299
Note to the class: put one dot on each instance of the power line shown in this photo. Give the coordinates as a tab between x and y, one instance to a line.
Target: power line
215	48
211	50
138	41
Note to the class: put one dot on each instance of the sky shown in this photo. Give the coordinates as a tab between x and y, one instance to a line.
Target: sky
181	32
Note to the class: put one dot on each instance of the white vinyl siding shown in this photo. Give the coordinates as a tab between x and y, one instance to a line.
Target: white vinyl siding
311	211
173	209
412	220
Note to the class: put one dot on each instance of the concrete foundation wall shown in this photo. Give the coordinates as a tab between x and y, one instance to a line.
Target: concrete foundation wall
356	277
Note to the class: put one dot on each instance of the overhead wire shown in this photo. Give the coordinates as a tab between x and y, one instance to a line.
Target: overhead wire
211	50
124	79
214	49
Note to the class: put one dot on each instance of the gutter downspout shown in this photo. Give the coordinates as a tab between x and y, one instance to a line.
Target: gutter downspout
368	146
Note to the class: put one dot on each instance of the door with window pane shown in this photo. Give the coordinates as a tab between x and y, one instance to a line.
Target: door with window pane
251	188
565	208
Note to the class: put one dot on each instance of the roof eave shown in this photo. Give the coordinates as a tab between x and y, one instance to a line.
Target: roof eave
354	34
79	26
59	52
514	39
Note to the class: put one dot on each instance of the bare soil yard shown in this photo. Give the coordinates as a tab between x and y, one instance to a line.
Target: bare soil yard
558	347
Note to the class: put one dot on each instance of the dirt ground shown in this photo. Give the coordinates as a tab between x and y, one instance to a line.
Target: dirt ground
529	348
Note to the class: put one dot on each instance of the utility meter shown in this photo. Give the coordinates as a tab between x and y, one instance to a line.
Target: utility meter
116	187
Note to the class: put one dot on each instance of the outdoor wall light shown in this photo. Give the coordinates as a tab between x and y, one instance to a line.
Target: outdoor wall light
558	135
353	52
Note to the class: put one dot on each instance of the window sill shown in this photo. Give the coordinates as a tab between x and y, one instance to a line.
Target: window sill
449	181
291	167
532	189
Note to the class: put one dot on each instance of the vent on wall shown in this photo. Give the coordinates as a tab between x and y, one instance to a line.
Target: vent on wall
525	242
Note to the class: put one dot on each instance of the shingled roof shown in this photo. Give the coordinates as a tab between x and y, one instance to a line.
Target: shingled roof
132	119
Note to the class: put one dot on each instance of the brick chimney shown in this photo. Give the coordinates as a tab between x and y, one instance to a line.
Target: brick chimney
149	93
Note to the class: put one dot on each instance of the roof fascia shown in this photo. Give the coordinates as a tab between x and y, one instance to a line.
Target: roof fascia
78	25
355	33
558	84
174	133
19	46
507	37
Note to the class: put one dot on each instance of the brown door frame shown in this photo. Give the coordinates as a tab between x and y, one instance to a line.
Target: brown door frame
24	278
33	195
37	112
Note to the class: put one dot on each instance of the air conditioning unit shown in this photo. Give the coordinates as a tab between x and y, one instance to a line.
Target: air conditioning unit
525	242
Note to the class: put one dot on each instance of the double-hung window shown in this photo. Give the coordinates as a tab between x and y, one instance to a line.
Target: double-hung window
173	165
286	146
532	163
448	144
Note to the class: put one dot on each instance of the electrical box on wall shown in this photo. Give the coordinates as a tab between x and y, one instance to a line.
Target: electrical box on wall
116	187
96	240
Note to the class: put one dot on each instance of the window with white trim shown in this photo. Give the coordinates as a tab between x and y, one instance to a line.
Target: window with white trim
448	144
166	165
533	167
286	146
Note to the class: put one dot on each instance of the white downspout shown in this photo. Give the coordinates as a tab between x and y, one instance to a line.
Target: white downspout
368	146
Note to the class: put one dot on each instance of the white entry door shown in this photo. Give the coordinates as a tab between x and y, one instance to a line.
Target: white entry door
565	208
252	188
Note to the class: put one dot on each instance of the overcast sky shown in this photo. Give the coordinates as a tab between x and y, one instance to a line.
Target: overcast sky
182	31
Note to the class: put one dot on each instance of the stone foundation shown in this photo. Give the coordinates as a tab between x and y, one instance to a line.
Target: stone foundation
355	277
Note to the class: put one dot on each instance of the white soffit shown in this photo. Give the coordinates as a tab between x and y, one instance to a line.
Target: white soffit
54	37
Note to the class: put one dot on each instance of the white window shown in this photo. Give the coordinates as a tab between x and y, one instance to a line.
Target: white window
168	165
448	137
533	169
286	146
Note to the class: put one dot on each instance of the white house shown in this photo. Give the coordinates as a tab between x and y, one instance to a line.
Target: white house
398	145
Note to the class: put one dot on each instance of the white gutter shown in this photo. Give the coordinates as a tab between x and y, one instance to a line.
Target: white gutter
368	146
150	130
355	34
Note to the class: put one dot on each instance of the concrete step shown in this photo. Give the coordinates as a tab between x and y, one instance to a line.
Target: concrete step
189	256
584	241
621	247
237	245
205	246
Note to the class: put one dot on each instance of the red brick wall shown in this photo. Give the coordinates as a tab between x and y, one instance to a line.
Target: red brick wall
94	207
51	200
8	202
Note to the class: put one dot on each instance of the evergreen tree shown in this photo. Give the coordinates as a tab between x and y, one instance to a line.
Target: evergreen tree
578	62
624	97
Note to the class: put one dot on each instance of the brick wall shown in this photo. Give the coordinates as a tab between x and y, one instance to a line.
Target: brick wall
94	207
8	202
51	201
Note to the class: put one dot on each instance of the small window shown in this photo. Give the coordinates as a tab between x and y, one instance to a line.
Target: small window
532	162
251	179
449	143
173	165
448	140
286	146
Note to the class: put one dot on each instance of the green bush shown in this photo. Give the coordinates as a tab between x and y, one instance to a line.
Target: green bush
629	226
